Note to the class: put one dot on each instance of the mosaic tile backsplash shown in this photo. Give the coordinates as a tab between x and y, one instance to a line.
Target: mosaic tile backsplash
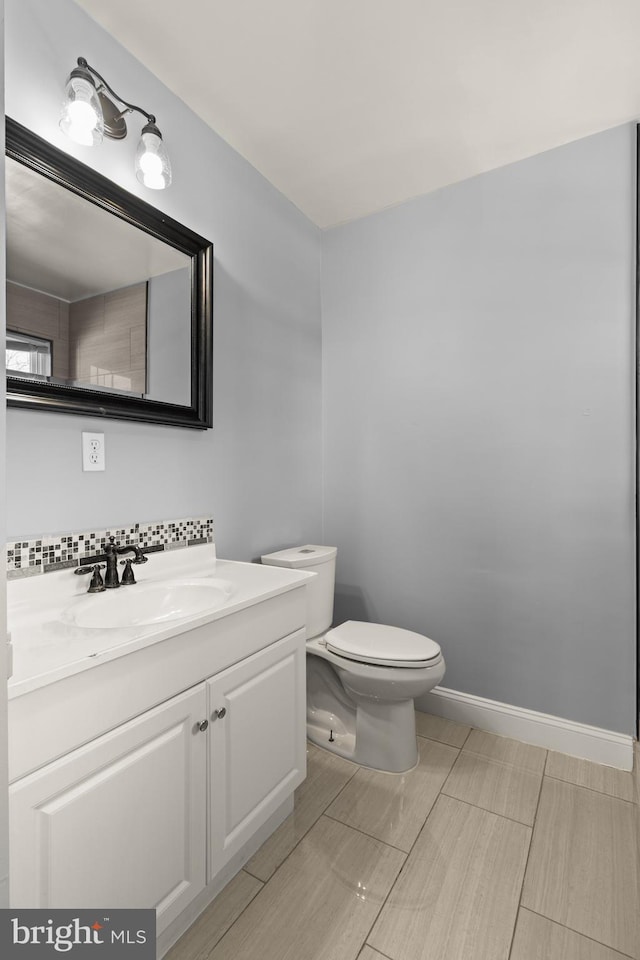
50	553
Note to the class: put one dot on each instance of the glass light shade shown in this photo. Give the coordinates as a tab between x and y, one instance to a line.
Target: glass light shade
81	117
152	161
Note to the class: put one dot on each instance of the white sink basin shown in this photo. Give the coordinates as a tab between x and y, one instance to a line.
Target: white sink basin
142	604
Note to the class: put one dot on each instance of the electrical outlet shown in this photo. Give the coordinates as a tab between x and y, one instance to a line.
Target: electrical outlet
93	451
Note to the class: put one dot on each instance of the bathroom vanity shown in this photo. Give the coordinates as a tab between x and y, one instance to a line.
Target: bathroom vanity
149	760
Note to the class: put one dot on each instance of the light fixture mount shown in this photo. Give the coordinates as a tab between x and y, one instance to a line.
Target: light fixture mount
92	109
114	123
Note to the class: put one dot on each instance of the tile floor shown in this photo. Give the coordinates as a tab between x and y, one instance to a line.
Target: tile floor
490	849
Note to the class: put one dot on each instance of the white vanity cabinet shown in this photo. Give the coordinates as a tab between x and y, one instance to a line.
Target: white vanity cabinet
147	772
149	813
257	744
119	822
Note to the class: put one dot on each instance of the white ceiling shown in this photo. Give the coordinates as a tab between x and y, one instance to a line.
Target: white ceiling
350	106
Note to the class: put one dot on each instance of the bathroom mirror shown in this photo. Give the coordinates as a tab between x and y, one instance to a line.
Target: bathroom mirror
109	301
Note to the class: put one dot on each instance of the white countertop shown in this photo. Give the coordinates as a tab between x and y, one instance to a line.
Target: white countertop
46	648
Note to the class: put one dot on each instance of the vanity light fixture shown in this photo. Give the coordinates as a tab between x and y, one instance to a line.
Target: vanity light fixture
88	114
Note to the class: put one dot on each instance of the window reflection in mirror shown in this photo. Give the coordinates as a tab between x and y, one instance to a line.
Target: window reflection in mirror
27	355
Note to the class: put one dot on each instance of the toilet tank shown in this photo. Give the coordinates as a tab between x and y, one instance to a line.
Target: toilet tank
322	562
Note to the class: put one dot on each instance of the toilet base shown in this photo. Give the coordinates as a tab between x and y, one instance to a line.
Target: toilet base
329	738
373	734
386	735
365	713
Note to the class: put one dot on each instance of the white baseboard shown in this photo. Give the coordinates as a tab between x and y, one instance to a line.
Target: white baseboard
540	729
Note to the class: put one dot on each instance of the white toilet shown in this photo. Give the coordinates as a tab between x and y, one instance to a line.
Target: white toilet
362	678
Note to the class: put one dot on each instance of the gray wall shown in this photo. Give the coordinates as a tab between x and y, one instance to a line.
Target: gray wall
478	362
259	470
478	427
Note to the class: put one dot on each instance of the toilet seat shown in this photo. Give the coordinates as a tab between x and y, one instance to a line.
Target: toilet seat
381	645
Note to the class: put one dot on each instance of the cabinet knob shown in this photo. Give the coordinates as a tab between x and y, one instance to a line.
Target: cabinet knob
202	726
219	714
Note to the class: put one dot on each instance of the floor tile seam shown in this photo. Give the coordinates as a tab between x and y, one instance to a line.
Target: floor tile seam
513	935
365	941
400	871
523	906
344	786
205	956
367	944
471	729
415	840
517	910
504	763
422	825
443	743
254	877
477	806
565	926
302	836
322	813
369	836
330	755
533	830
457	749
265	883
526	865
375	949
296	844
583	786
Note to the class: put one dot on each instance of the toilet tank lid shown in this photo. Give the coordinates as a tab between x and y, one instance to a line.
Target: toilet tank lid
378	643
307	556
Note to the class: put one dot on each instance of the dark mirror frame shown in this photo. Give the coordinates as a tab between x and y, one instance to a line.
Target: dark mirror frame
39	155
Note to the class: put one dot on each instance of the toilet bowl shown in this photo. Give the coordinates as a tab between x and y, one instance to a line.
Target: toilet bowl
362	678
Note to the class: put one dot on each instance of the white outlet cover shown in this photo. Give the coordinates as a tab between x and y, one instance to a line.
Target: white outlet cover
93	451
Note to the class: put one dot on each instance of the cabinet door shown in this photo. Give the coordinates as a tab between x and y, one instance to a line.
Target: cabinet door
120	822
258	747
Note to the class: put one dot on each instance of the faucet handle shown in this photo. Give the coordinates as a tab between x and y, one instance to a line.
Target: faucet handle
127	574
89	568
97	583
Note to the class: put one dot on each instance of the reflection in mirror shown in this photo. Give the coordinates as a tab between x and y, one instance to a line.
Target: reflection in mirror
28	356
109	301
